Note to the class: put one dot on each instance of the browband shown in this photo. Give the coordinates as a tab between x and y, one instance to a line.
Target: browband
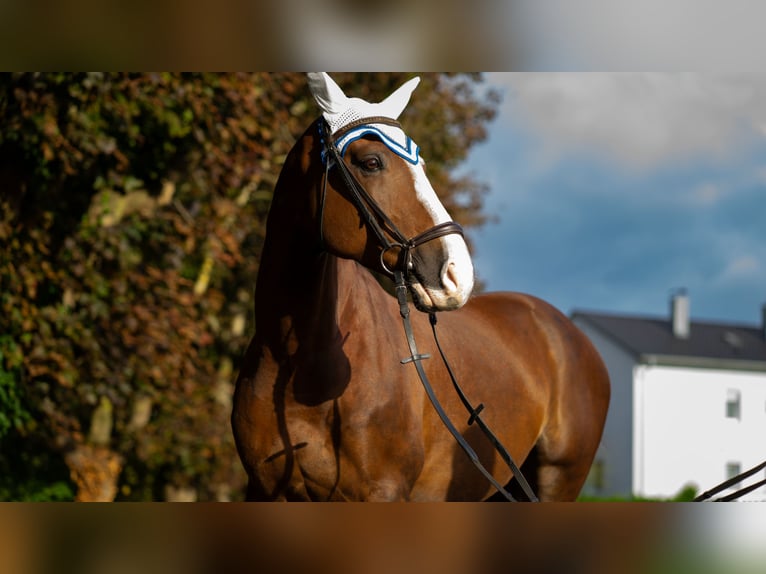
363	122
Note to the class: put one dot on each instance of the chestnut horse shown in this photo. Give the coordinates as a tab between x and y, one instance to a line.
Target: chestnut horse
323	407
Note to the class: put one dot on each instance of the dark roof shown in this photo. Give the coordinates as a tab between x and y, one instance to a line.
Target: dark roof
651	339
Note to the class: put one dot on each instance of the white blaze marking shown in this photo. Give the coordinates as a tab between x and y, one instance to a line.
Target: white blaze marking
459	283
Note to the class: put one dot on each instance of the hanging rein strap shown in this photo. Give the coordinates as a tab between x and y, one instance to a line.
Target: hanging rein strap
415	358
475	417
381	224
731	482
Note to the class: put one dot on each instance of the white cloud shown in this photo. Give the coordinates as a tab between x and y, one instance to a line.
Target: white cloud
744	265
741	260
640	120
707	194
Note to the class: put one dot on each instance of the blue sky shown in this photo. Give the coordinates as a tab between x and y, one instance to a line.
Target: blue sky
611	190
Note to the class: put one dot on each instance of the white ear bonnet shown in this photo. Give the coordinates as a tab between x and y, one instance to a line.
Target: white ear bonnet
339	111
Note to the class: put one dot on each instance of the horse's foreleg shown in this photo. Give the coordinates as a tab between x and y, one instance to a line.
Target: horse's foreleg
562	463
560	482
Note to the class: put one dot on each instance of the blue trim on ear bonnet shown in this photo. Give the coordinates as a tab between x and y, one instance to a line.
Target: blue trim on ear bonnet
394	138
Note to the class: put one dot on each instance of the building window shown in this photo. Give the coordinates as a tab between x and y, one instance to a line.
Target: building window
733	404
732	470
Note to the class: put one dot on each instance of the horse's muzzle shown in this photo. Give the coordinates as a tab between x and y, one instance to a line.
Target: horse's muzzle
451	290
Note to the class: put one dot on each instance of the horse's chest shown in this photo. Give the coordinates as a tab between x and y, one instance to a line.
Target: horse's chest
325	450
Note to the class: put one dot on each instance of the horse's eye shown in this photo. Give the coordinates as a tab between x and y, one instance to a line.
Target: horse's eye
371	164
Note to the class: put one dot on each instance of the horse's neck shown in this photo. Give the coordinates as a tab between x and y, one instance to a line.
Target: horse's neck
301	299
302	293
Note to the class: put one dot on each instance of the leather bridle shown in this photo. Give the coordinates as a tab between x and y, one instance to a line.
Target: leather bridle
373	215
383	227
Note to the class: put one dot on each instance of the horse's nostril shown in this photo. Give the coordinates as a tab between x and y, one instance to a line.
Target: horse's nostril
450	277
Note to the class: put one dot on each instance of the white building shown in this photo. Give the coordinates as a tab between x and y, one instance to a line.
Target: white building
688	403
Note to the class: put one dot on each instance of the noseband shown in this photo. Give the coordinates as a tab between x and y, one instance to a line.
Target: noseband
372	214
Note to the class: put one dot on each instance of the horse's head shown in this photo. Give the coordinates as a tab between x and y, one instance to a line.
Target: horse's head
377	205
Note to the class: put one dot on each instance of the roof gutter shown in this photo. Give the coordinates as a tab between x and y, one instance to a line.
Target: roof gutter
702	362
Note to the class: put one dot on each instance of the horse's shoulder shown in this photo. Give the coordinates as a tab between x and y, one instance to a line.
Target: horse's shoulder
504	310
511	302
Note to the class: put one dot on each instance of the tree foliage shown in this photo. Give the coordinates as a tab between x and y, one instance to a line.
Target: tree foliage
132	213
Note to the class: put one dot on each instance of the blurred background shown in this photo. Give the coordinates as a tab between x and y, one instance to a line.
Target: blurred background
590	538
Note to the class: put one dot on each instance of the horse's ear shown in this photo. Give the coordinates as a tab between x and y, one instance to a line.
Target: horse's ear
394	104
328	95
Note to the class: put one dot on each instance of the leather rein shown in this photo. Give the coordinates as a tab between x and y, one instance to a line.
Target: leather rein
382	226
